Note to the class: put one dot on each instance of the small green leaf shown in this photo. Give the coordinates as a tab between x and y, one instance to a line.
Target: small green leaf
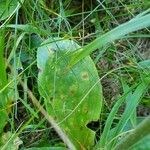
28	28
7	7
74	94
145	64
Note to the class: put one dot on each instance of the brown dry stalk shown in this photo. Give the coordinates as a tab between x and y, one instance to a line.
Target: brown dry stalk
50	119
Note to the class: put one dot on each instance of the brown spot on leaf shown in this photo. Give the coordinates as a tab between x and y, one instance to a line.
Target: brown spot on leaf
72	90
62	97
85	75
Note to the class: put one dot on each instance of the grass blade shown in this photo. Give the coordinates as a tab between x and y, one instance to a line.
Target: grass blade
3	82
135	98
127	114
115	34
109	122
141	131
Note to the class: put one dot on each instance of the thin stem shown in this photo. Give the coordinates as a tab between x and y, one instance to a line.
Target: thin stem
60	132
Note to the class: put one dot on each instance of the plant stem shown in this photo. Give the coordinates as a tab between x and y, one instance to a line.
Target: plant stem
59	131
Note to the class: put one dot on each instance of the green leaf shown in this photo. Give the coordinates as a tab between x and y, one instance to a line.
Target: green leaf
130	108
145	64
3	82
75	94
10	142
3	119
136	97
137	137
28	28
46	148
7	7
126	88
143	144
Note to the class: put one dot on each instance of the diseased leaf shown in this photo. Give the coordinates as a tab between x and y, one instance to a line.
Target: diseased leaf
74	94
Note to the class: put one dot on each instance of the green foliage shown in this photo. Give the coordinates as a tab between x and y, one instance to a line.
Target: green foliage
143	144
46	148
139	22
145	65
3	82
28	28
9	142
135	98
7	8
72	96
68	82
138	138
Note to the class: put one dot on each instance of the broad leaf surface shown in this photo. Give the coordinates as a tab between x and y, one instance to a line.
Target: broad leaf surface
63	89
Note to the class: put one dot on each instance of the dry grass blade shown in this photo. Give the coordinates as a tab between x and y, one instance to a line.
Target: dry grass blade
62	135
